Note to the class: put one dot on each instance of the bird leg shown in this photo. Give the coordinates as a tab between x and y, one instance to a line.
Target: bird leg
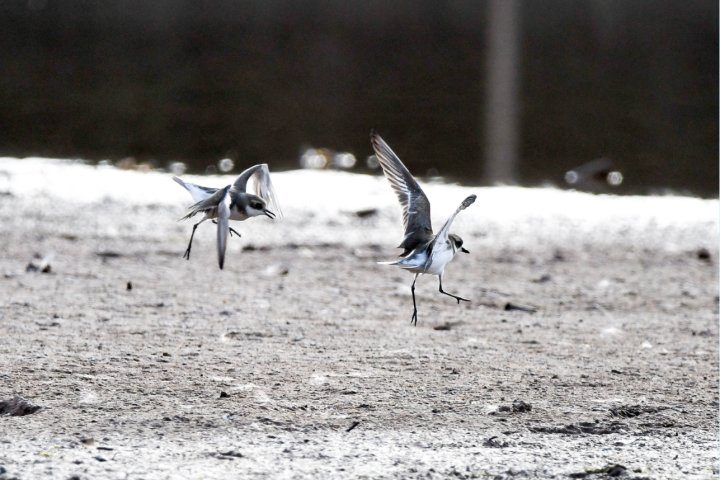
232	230
413	320
450	294
187	252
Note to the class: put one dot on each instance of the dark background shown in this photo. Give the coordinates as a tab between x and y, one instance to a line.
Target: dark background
195	81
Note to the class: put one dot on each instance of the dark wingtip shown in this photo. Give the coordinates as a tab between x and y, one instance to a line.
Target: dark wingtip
469	201
374	136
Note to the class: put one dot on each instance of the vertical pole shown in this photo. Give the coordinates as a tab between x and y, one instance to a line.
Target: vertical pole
501	105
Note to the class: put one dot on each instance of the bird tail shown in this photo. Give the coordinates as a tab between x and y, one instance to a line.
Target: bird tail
402	263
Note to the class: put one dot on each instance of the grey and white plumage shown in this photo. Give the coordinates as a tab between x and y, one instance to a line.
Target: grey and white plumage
232	202
423	251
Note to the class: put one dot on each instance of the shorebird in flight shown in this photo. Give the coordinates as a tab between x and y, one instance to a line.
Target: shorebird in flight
232	202
424	252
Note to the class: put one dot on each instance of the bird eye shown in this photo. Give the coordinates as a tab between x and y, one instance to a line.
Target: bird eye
256	206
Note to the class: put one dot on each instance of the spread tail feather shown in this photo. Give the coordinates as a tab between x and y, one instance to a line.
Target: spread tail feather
198	192
400	263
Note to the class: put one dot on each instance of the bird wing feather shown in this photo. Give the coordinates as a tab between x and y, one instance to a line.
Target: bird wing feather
442	235
198	192
258	176
414	202
223	227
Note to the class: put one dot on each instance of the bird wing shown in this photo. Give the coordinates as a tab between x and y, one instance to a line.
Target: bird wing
207	203
442	235
198	192
415	205
261	185
223	226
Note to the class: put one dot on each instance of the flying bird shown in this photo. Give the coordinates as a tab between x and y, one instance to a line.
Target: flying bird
232	202
423	251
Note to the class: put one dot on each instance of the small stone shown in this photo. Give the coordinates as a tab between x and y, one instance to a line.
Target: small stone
519	406
231	453
17	407
275	270
495	442
39	264
704	254
616	471
366	213
522	308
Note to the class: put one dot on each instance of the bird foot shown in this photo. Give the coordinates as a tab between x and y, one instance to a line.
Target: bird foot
232	230
459	299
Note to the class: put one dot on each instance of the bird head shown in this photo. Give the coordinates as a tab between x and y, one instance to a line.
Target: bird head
256	206
457	243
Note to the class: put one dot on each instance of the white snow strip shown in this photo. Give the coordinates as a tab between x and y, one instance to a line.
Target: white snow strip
309	197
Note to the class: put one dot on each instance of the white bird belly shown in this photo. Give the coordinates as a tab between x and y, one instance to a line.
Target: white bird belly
417	262
439	260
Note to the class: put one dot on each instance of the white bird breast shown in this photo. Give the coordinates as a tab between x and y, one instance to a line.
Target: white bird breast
415	263
440	258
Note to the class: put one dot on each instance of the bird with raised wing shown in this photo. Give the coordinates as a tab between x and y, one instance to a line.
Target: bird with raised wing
232	202
423	251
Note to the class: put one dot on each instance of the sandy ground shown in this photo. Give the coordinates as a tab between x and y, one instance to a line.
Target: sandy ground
298	360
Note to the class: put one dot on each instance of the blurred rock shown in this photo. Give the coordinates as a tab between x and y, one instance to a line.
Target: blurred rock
40	264
522	308
366	213
542	278
704	254
108	254
275	270
519	406
17	407
495	442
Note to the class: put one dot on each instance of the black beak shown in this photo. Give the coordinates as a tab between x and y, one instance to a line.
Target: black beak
270	214
464	250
